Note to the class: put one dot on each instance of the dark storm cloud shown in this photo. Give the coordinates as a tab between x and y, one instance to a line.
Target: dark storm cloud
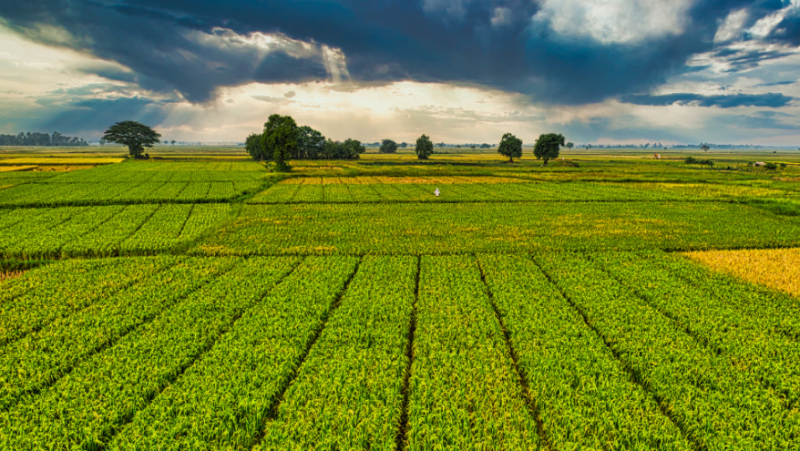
91	115
492	43
770	100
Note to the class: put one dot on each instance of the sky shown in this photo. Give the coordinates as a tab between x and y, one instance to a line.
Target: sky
461	71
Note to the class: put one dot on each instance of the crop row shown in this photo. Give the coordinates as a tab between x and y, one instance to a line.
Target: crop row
223	400
419	229
107	230
42	357
84	408
66	194
349	392
464	391
584	396
716	403
166	171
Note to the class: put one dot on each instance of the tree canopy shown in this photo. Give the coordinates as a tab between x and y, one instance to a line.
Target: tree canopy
548	146
388	146
281	133
280	140
424	147
132	134
310	144
510	146
253	147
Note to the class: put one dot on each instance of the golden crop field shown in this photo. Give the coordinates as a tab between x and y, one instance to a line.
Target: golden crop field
774	268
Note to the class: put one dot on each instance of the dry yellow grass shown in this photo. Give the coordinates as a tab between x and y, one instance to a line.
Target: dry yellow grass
16	168
77	160
774	268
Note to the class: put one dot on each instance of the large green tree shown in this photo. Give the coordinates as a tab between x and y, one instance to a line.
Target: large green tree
424	147
310	144
388	146
132	134
510	146
548	146
280	140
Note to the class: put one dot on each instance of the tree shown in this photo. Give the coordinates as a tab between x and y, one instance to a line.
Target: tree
424	147
485	146
705	147
253	147
570	145
388	146
173	142
510	146
403	145
332	149
352	149
132	134
280	140
310	143
472	147
548	146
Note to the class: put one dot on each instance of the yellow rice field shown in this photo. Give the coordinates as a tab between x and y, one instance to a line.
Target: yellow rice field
774	268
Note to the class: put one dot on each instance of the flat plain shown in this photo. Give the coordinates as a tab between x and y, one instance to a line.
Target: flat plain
197	301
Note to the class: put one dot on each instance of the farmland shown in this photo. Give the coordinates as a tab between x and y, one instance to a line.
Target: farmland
201	302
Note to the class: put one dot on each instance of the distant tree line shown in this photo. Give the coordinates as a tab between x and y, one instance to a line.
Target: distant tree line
41	139
283	140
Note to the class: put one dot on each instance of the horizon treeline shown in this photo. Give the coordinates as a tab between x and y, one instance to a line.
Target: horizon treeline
41	139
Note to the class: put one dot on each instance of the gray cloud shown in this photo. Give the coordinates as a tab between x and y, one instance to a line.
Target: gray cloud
769	100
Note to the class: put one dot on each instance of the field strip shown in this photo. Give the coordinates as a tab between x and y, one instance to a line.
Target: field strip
35	310
19	216
402	432
574	381
703	393
463	388
144	362
348	393
225	397
49	222
751	341
86	229
115	231
40	359
533	408
160	232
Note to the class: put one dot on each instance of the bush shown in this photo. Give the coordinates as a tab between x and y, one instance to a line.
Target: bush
693	160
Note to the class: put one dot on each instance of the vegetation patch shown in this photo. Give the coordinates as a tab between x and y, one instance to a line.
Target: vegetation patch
774	268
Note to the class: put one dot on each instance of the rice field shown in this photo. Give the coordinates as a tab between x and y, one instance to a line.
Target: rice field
209	304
